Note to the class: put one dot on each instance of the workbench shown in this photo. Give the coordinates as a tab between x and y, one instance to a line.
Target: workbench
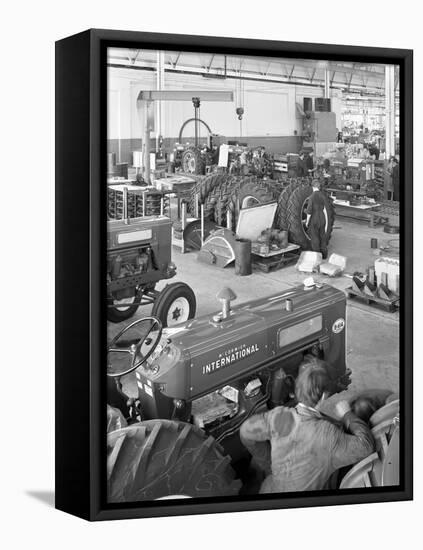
359	212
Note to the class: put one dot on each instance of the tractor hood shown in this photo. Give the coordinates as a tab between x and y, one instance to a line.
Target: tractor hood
209	352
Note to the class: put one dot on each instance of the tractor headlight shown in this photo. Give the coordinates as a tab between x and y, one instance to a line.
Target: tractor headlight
171	268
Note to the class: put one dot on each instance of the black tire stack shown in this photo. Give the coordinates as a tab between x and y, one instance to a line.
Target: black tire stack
252	191
280	216
202	189
296	215
222	192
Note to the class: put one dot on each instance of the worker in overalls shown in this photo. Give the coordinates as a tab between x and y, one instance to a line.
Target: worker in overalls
317	220
300	448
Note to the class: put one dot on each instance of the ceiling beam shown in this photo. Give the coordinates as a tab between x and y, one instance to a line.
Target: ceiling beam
267	68
185	95
253	76
174	63
211	63
361	70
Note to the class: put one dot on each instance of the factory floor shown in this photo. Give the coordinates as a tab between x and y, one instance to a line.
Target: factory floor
372	334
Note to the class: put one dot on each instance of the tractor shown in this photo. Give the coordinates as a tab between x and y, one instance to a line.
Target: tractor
193	158
198	381
138	257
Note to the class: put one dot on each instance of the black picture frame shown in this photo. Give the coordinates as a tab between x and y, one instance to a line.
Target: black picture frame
80	265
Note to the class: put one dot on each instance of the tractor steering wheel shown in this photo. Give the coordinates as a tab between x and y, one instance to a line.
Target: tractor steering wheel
139	355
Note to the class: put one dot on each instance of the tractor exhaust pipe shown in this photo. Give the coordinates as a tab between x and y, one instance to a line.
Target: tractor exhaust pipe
226	309
225	296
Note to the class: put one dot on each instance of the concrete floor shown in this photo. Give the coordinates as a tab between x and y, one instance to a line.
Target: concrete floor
372	334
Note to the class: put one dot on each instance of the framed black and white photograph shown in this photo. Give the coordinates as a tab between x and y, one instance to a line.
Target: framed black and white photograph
234	239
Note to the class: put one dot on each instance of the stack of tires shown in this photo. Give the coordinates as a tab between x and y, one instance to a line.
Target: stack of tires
220	193
291	213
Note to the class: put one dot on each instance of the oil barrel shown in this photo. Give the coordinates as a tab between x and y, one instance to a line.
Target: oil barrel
243	257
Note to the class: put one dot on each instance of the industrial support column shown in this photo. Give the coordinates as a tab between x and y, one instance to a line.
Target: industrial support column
148	127
390	110
327	83
159	86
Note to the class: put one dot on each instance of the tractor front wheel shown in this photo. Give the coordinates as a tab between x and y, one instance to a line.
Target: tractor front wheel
175	304
162	458
121	310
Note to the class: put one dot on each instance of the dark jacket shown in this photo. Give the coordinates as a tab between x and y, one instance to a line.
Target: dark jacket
315	208
302	169
306	447
309	162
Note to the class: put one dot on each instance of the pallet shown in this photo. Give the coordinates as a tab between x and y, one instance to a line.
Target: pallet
275	262
389	305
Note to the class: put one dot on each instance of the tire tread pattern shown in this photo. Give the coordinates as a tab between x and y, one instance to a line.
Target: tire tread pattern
161	457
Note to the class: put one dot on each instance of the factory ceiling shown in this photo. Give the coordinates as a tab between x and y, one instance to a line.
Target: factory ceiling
347	76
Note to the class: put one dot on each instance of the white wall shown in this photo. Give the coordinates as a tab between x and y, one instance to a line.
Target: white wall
269	108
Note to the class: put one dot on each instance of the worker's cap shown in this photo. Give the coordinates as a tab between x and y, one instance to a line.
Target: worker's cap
316	183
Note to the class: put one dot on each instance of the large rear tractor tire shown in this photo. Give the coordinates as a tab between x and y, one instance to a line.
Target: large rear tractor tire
200	191
211	192
163	458
175	304
252	193
275	187
281	221
192	161
296	216
216	203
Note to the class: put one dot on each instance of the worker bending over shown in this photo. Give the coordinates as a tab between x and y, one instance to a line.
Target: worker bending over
306	446
317	220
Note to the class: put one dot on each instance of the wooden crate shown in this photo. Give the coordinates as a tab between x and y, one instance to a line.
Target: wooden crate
374	301
275	259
